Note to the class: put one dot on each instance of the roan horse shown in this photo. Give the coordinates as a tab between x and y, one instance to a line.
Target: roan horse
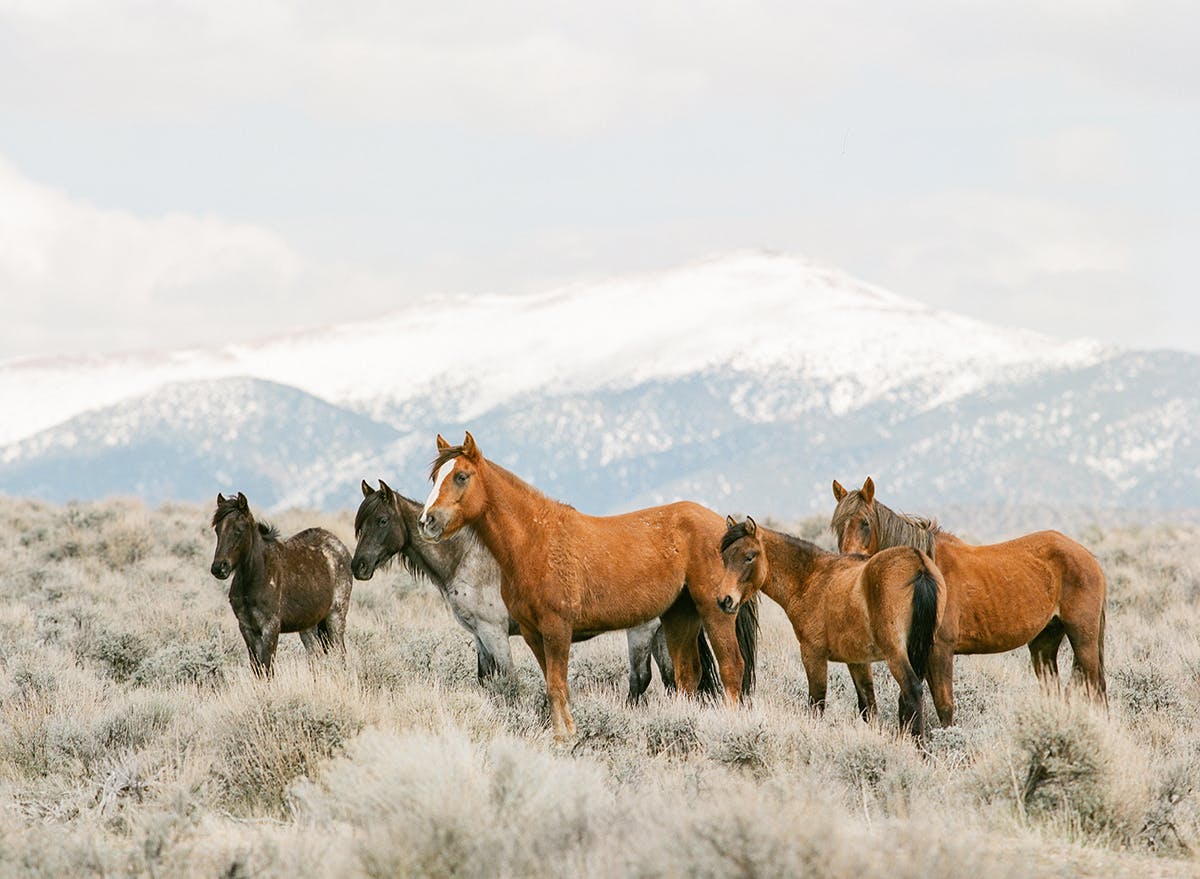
467	576
301	584
565	574
1031	590
855	610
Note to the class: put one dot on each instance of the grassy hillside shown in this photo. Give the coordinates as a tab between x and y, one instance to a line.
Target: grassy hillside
133	740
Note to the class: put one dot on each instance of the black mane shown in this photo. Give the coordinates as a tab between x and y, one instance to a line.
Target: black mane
367	509
733	534
230	506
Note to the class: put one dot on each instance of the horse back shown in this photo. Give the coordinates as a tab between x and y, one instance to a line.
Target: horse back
312	570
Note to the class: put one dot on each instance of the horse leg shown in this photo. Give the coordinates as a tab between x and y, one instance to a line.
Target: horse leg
492	648
816	668
1043	650
261	644
681	629
640	642
311	641
662	657
940	675
864	686
1087	646
556	642
911	709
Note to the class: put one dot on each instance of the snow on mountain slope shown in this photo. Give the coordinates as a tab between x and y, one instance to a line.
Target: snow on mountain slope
751	312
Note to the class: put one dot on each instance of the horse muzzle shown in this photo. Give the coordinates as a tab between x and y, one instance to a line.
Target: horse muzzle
363	569
728	604
221	570
431	529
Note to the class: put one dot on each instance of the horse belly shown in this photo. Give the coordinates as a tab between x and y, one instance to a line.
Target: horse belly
299	613
991	621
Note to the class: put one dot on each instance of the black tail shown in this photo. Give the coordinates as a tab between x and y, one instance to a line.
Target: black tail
924	619
747	636
710	676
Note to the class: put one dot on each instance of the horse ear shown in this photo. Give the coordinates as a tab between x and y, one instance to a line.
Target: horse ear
839	491
868	490
469	448
366	489
442	444
220	498
243	504
386	489
730	521
751	525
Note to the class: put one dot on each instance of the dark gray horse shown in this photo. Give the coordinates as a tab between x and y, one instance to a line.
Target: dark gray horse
467	576
301	584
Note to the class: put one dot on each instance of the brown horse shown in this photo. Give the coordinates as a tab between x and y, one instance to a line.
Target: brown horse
301	584
565	574
855	610
1031	590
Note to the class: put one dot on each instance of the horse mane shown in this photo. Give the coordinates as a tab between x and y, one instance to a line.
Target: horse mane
269	532
895	529
451	452
367	509
733	534
902	529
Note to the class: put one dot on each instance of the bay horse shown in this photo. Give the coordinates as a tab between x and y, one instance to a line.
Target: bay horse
1032	590
852	609
564	574
301	584
468	578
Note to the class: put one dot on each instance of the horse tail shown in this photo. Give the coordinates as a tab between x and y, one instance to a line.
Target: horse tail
924	618
747	637
710	676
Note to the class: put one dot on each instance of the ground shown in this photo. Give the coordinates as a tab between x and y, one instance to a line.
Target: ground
134	741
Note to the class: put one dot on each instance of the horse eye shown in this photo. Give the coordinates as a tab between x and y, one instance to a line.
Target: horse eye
865	526
383	520
461	478
750	557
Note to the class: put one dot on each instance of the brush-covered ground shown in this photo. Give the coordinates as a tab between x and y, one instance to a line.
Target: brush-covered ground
134	741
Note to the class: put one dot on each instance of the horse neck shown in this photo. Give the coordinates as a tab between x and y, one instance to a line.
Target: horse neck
793	565
437	561
503	526
251	570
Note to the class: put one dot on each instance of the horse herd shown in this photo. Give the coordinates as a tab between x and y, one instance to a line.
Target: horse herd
682	581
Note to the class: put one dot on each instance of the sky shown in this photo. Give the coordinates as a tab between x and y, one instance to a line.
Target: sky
194	173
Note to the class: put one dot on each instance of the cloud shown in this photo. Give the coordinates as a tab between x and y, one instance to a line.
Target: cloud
561	68
76	276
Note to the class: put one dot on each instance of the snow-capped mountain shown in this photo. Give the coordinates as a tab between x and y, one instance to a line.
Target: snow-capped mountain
746	382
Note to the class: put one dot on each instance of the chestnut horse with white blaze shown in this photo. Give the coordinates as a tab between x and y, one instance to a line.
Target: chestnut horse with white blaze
853	609
1032	590
564	574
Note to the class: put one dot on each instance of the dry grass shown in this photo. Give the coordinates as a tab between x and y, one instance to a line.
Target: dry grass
134	741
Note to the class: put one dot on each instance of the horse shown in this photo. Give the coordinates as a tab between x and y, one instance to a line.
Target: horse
852	609
301	584
565	574
468	578
1032	590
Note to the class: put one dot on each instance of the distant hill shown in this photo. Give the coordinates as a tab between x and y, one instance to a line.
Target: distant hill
746	383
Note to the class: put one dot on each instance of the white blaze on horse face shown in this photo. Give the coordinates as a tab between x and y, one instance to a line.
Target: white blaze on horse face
442	473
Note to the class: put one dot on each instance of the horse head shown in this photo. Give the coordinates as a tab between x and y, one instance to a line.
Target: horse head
745	563
235	527
459	494
855	521
379	529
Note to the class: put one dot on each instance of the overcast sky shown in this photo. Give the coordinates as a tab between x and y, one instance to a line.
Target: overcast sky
194	172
